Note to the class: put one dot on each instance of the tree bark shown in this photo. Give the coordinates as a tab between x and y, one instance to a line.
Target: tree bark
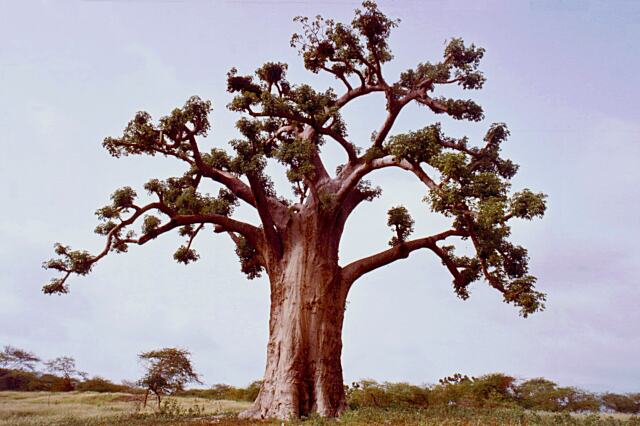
304	373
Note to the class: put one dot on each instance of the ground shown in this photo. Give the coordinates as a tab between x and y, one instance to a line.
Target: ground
102	409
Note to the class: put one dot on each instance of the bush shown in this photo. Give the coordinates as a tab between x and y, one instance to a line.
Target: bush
545	395
99	384
369	393
629	403
18	380
491	390
222	391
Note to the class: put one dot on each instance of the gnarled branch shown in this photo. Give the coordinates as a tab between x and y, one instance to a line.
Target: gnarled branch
356	269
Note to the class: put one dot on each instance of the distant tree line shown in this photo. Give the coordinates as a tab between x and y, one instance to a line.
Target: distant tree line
168	370
19	371
489	391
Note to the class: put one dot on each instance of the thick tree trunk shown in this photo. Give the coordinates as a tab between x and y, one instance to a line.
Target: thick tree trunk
303	373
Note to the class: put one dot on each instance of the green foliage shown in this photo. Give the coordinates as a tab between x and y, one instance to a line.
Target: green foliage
217	158
487	159
249	259
342	49
72	261
222	391
462	109
461	64
272	72
192	118
489	391
469	269
417	147
181	196
185	255
375	27
401	222
123	198
527	205
493	391
475	192
465	62
545	395
290	122
150	224
169	137
368	192
369	393
297	154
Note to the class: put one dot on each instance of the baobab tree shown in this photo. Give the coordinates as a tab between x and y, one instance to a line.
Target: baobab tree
297	240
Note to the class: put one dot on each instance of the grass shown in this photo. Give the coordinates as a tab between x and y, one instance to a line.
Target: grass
91	408
102	409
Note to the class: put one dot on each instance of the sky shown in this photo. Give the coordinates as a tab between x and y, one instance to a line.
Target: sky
562	74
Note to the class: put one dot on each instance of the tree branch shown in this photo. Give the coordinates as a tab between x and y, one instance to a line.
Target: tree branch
348	146
393	107
339	76
271	233
356	269
361	170
115	241
235	185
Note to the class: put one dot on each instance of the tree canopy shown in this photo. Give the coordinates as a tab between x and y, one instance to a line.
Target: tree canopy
167	371
289	123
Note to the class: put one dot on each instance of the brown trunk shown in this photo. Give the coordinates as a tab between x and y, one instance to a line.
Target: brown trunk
303	373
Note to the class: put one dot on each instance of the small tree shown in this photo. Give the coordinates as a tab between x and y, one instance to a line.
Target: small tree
538	394
66	367
167	371
18	359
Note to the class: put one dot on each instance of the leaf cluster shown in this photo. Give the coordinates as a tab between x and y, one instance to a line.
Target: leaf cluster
249	258
399	219
460	65
346	50
417	147
181	196
70	261
169	137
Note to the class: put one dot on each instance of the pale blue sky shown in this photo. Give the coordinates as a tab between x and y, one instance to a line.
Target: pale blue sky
562	74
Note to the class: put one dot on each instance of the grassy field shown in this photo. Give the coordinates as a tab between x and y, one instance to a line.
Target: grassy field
102	409
90	408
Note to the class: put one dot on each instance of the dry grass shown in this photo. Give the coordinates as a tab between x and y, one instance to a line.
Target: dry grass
49	408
